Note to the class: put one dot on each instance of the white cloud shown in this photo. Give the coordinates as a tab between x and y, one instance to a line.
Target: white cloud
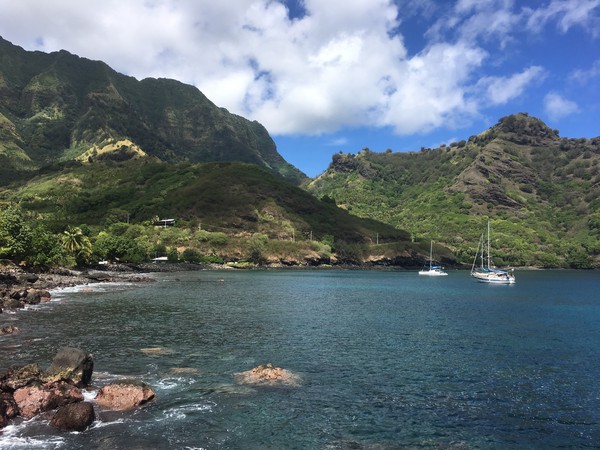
584	76
557	107
567	14
500	90
479	20
341	64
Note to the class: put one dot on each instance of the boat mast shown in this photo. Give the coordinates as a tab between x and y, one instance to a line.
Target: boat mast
430	253
479	246
489	257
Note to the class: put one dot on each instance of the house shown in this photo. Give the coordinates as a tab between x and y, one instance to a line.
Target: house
164	223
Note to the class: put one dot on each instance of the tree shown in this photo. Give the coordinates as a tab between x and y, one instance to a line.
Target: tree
256	245
77	244
15	234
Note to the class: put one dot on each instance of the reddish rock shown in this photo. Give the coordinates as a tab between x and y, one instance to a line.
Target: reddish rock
74	417
33	400
268	375
125	394
36	398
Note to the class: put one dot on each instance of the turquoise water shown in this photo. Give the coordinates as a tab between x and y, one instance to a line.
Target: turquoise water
387	359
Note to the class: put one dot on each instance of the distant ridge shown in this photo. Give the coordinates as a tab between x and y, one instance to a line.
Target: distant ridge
541	191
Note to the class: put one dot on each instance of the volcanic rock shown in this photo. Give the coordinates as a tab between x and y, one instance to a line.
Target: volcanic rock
125	394
74	417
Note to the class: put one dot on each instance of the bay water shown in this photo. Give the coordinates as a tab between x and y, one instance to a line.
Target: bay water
387	360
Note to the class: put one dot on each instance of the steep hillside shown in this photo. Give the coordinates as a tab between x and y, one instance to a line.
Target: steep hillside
541	192
234	199
59	106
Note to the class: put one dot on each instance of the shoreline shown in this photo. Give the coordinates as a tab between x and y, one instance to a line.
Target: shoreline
20	288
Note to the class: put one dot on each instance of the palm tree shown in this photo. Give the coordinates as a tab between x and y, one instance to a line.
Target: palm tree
76	243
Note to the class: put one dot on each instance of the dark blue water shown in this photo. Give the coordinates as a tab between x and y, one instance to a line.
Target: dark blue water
387	359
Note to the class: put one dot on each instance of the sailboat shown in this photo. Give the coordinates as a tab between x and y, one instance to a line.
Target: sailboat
486	273
432	271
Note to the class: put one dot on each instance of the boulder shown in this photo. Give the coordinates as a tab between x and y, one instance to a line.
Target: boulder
125	394
8	279
36	398
28	278
36	296
268	375
33	400
74	417
71	365
19	294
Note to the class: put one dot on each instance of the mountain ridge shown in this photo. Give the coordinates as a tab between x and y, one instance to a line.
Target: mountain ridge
58	106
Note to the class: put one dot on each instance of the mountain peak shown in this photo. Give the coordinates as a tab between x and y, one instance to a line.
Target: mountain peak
525	125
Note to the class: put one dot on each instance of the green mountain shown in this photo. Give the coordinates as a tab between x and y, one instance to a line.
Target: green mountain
540	192
60	107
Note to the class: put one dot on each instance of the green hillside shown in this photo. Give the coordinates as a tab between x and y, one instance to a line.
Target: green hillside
540	191
60	107
233	203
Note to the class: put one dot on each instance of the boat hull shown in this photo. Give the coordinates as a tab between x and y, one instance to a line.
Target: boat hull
494	278
432	273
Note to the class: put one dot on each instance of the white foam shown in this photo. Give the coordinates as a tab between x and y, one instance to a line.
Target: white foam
101	424
174	382
10	439
181	412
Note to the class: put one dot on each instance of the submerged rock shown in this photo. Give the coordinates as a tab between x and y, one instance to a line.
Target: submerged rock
156	351
74	417
9	329
125	394
267	374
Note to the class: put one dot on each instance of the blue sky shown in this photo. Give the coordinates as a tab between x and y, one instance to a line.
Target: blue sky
325	76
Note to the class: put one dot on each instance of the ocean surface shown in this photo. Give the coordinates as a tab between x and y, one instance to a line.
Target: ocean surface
388	360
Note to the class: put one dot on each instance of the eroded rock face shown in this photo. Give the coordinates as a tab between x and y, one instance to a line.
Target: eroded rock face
124	395
74	417
268	375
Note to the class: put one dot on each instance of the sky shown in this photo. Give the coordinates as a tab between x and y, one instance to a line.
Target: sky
325	76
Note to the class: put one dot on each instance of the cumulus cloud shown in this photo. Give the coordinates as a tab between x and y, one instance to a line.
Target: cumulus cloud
499	90
558	107
330	65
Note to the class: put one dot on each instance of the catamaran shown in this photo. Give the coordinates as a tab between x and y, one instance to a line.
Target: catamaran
432	271
486	273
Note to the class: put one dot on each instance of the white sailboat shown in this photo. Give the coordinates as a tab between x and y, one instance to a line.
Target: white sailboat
486	273
432	271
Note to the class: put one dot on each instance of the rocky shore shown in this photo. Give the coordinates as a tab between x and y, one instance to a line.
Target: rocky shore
57	393
19	288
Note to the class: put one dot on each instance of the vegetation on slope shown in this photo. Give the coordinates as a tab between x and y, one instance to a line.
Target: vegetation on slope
540	192
232	211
